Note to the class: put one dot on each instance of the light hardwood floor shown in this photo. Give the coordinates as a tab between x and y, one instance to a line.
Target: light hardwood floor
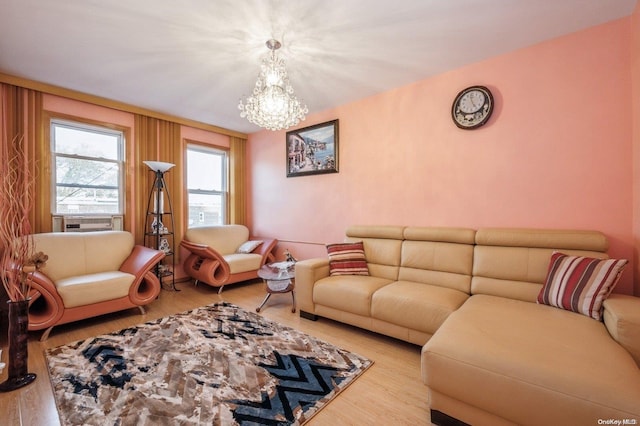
389	393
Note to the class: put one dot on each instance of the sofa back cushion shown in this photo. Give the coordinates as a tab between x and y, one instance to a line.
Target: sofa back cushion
225	239
438	256
382	248
514	263
80	253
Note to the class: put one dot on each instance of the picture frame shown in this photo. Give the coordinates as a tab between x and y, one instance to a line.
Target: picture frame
313	150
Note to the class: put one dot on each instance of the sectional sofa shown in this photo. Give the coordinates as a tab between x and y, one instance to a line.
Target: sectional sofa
493	353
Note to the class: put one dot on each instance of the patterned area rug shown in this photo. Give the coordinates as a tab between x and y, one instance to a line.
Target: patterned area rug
215	365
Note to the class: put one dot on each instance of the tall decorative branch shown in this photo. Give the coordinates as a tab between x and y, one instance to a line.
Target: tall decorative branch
17	258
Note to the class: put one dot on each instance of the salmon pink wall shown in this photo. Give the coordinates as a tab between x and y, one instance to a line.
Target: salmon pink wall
556	153
635	108
70	107
204	136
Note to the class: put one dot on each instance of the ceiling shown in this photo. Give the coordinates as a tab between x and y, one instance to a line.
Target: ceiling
196	58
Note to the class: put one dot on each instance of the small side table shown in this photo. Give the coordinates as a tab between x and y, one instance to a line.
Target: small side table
278	277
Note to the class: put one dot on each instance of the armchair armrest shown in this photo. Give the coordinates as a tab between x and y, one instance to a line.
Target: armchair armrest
146	286
266	250
141	260
45	306
622	319
145	290
205	264
309	271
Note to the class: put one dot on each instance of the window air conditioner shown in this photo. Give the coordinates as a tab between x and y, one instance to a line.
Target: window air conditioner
86	223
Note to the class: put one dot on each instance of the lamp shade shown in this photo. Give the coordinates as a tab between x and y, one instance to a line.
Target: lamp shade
158	166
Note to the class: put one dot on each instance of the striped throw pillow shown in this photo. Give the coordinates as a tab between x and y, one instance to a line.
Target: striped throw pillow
347	259
580	284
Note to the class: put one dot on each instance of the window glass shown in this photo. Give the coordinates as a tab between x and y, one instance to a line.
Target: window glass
206	186
205	170
87	168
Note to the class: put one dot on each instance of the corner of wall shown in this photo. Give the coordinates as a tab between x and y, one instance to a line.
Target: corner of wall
635	135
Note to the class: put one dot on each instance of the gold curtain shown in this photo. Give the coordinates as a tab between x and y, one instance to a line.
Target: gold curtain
171	151
158	140
40	160
21	115
145	148
237	181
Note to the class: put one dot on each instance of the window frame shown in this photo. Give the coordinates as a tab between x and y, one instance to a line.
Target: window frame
225	196
104	129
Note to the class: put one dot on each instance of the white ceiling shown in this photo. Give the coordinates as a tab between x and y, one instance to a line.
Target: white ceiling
196	58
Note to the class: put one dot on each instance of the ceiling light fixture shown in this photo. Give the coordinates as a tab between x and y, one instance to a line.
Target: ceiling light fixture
273	104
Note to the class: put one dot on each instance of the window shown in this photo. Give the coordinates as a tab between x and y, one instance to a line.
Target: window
87	164
206	186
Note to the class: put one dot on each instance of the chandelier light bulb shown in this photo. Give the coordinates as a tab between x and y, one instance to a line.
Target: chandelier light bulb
273	104
272	78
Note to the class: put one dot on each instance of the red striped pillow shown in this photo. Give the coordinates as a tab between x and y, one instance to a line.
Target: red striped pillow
347	259
580	284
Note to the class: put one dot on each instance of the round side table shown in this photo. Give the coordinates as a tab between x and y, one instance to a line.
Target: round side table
278	277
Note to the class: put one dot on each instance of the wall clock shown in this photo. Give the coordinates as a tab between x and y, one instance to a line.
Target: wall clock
472	107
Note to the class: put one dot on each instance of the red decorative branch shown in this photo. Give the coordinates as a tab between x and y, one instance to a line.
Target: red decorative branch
17	258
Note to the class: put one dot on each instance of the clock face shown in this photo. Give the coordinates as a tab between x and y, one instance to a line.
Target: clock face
472	107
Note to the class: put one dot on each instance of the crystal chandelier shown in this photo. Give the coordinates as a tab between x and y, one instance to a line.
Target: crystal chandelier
273	104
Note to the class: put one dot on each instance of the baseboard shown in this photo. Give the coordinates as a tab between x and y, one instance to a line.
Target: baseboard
441	419
307	315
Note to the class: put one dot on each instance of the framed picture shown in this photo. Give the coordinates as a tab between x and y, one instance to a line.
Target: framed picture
313	150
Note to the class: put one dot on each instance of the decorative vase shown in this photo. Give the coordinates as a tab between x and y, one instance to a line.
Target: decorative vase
18	349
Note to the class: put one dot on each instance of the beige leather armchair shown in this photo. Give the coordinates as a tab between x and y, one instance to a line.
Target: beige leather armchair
90	274
214	255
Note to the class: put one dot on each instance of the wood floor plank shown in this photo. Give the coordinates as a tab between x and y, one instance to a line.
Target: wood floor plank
390	392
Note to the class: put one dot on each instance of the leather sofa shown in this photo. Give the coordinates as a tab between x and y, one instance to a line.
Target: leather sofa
217	258
491	354
90	274
417	277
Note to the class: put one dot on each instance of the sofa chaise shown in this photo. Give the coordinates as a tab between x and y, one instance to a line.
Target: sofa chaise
491	353
90	274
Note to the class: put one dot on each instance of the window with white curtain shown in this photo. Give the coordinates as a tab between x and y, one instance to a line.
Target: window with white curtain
87	166
207	186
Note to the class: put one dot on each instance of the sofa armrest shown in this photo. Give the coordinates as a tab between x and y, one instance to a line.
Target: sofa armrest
205	264
266	250
309	271
45	305
622	318
144	288
140	260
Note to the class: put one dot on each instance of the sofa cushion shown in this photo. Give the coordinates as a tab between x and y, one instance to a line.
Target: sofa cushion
106	251
580	284
417	306
437	263
347	259
351	293
225	239
529	363
93	288
72	254
382	245
513	263
239	262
